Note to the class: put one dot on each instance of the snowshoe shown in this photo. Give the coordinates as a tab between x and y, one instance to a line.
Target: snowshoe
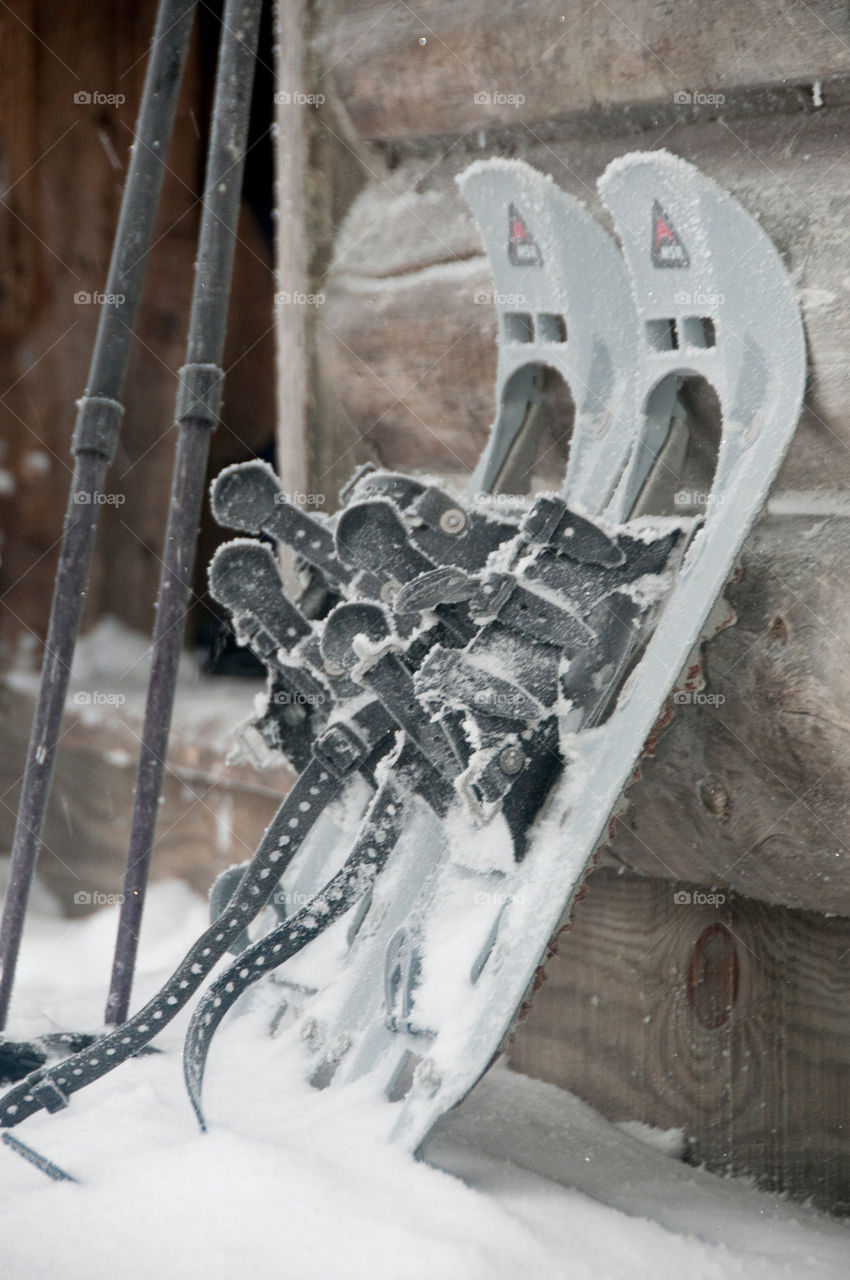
467	685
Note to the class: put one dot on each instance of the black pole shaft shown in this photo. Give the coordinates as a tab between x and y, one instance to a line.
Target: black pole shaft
196	415
95	439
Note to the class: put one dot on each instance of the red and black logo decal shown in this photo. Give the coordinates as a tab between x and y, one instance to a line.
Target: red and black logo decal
523	249
667	249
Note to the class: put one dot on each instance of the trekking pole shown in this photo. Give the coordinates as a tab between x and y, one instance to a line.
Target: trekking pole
94	443
196	415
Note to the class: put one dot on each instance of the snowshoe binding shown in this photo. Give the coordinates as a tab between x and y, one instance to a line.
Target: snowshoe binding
466	684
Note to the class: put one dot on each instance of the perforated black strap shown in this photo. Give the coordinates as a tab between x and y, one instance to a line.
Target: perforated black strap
378	835
49	1088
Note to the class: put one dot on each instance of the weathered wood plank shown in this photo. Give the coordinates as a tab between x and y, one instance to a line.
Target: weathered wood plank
212	813
318	175
729	1021
22	284
414	367
442	67
411	355
750	781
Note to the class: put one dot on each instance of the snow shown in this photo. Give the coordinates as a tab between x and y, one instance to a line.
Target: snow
671	1141
522	1179
458	271
37	462
666	162
109	684
514	168
809	502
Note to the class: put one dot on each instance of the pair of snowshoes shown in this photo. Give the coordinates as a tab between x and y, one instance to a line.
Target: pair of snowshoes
466	684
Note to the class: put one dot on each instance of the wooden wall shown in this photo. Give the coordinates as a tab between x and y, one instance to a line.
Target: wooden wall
63	164
62	169
725	1019
728	1020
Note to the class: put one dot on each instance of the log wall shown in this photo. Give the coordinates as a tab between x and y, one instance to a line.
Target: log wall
401	73
752	787
745	796
728	1019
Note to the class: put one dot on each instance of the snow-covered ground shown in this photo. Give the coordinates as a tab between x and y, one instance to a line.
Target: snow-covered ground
521	1180
109	678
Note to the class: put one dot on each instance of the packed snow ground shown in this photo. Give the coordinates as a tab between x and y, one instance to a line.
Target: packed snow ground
521	1180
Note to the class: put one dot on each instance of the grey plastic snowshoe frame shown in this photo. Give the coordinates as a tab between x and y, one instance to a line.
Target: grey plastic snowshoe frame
623	329
439	933
730	309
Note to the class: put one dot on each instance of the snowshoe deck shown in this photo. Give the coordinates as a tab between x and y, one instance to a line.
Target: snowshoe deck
483	677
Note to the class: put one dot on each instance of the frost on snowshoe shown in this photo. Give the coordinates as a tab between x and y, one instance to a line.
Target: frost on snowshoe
480	650
474	683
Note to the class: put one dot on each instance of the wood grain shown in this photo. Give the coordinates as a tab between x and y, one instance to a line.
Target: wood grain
749	786
640	1016
447	68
